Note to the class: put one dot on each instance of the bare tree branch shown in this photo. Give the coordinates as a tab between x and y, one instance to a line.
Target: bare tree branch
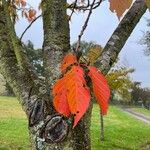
29	26
73	9
84	7
85	25
21	57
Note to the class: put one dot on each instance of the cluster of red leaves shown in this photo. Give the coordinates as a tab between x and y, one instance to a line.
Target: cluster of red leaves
28	13
71	93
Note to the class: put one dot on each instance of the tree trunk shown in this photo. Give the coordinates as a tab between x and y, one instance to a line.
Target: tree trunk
102	127
81	133
33	93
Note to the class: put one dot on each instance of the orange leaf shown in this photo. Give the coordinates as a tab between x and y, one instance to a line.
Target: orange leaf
100	88
23	3
78	94
68	60
119	6
60	97
32	14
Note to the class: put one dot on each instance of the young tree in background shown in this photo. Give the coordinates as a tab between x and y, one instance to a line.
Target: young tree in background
120	82
34	93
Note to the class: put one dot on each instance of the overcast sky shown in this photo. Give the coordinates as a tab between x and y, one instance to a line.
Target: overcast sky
100	27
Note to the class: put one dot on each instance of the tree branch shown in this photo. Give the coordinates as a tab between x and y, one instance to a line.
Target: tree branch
120	36
73	9
21	80
84	7
29	26
85	24
21	57
75	6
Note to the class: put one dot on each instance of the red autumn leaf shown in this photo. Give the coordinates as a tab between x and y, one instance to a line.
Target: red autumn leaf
60	97
100	88
68	60
78	94
119	6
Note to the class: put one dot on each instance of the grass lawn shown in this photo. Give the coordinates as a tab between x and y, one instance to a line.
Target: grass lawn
13	125
142	110
122	132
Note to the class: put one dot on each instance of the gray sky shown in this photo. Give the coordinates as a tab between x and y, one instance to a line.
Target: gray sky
100	27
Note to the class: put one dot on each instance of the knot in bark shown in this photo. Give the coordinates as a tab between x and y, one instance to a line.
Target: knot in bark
55	129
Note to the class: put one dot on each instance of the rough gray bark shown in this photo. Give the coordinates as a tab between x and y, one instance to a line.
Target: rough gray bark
27	87
56	40
56	37
31	91
81	133
120	36
56	44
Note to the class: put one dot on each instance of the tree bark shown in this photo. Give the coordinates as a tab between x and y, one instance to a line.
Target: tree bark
120	36
26	85
56	37
56	44
33	93
81	133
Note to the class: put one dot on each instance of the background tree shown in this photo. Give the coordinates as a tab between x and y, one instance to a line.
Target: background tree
136	92
140	96
33	93
146	40
120	83
145	97
90	51
35	57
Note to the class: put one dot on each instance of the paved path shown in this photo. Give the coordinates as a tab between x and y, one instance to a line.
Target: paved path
140	116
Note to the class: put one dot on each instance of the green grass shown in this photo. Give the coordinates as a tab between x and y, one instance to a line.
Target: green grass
13	125
142	110
122	132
